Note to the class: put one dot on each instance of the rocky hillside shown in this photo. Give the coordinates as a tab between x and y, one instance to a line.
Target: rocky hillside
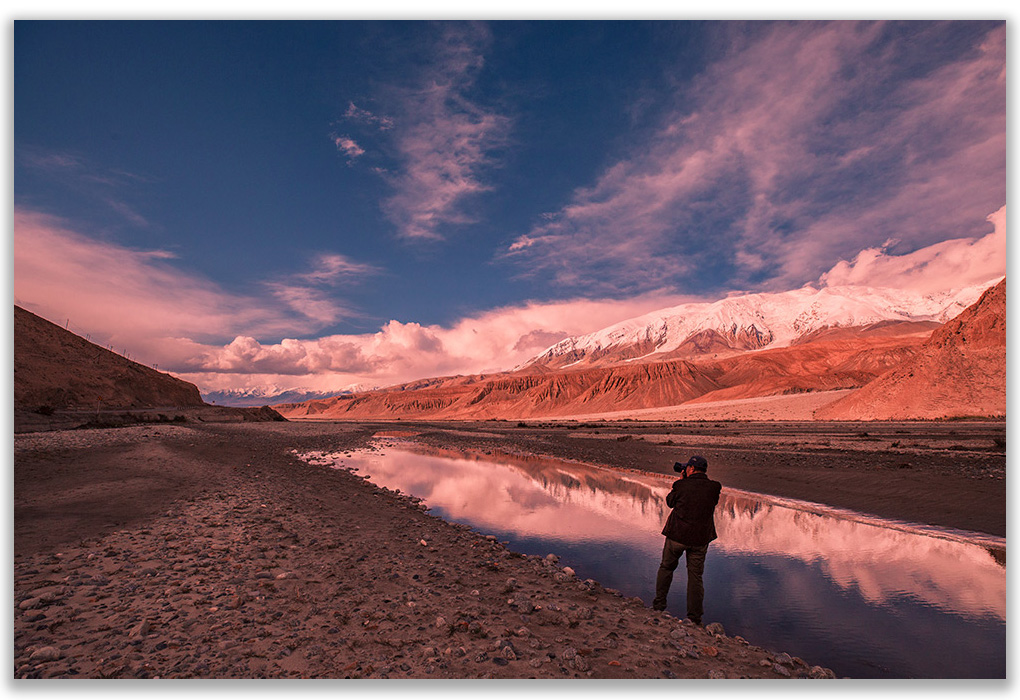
959	371
55	369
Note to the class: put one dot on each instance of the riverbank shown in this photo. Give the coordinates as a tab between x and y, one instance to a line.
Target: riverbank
180	551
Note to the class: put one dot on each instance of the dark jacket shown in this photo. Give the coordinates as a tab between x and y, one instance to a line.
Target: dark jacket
693	501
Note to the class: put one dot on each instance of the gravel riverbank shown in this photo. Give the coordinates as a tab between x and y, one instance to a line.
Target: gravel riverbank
176	551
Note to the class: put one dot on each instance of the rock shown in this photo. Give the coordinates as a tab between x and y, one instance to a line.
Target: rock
535	662
716	674
569	653
44	654
440	622
819	672
30	603
568	571
781	670
286	575
714	628
581	663
509	654
423	543
551	558
784	659
263	574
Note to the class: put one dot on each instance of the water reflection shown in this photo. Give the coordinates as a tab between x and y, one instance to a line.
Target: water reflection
879	598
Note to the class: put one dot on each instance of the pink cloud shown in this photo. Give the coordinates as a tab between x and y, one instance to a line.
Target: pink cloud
750	171
442	138
400	352
348	146
952	264
139	300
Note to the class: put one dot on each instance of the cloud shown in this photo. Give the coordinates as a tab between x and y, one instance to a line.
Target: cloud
77	175
363	116
333	268
802	144
442	140
399	352
951	264
348	146
142	301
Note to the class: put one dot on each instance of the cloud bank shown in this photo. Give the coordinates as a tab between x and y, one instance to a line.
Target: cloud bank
801	145
142	302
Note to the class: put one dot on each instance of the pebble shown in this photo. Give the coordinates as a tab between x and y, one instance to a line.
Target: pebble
781	670
44	654
715	628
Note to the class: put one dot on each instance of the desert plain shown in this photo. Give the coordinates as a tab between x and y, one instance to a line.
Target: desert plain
202	548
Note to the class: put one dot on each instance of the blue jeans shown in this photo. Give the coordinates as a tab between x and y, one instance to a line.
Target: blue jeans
671	553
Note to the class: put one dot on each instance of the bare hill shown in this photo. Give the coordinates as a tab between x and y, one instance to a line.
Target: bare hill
57	369
959	371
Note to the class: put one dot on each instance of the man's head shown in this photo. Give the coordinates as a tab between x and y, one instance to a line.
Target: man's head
697	463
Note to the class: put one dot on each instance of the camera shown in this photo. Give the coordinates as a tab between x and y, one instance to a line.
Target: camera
681	468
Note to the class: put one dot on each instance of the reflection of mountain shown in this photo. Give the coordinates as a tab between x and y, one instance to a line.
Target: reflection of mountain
540	497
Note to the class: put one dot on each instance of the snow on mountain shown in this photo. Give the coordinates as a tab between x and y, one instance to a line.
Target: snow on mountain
265	396
755	321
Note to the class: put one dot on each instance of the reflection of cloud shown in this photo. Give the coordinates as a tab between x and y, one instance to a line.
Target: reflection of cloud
880	562
545	498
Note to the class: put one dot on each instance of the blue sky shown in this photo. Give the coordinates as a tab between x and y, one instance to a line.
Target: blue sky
325	204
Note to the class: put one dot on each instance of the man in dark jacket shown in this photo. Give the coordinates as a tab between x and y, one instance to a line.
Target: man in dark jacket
689	528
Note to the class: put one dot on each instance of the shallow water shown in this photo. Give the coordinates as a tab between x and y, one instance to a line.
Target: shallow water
868	598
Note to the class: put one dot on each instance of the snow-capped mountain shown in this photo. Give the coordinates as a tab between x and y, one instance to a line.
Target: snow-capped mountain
265	396
754	321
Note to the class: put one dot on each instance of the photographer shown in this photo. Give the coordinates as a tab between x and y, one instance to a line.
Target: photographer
689	528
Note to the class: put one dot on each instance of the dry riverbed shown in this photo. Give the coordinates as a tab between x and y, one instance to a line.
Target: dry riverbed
180	551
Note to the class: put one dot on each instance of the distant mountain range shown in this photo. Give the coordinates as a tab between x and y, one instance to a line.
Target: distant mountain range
266	396
743	347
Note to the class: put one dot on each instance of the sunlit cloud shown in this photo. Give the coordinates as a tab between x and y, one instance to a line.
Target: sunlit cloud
144	302
399	352
801	146
363	116
952	264
348	146
139	299
442	140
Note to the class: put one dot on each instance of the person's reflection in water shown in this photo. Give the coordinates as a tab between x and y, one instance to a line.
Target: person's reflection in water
689	528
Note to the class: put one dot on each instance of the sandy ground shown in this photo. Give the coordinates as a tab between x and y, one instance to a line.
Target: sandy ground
180	551
794	407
